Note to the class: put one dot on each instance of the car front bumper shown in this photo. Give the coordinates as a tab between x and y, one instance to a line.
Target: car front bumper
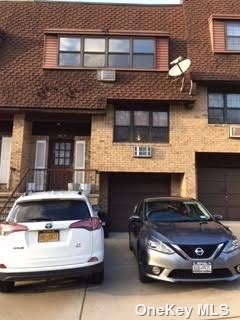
175	268
51	274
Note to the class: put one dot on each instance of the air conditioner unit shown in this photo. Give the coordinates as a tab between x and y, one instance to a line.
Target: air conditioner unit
106	75
234	132
142	152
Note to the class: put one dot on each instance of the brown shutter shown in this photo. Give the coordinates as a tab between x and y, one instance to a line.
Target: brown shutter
217	31
51	51
162	54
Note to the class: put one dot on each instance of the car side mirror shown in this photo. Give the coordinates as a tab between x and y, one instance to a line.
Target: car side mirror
218	217
135	218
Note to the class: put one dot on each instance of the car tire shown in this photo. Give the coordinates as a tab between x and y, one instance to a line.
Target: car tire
141	272
6	286
97	278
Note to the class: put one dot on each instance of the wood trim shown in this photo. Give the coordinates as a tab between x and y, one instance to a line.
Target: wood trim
162	54
224	17
50	51
140	33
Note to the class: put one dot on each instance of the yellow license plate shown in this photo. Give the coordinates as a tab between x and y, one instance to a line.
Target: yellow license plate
48	236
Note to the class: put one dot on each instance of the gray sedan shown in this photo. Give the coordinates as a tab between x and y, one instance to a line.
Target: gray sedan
177	239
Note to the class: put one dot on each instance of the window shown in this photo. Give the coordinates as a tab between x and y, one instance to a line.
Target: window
233	36
94	52
69	52
141	126
224	108
97	52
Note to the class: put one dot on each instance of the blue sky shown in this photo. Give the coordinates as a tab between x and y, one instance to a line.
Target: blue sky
133	1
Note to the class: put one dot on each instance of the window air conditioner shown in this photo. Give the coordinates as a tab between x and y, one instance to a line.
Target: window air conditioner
142	152
234	132
106	75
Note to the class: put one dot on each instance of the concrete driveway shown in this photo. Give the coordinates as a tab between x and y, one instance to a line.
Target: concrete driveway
117	298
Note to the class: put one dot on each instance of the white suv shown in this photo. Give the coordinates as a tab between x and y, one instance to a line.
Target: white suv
51	235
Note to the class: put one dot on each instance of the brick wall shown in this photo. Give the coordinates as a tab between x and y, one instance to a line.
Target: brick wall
189	133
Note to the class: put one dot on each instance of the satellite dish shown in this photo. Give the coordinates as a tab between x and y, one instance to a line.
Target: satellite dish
180	66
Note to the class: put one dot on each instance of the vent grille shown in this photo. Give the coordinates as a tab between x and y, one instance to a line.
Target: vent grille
106	75
142	152
234	131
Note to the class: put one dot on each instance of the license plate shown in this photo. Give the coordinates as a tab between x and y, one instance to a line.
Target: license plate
202	267
48	236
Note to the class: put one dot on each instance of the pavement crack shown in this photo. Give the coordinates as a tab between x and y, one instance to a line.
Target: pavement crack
83	302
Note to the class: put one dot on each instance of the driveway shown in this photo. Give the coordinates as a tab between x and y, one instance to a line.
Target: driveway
117	298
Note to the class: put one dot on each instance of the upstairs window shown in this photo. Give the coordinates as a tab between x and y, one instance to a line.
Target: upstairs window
233	36
70	52
94	52
141	126
225	33
224	108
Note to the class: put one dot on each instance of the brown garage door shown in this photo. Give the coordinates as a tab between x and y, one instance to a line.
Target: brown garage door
219	190
125	190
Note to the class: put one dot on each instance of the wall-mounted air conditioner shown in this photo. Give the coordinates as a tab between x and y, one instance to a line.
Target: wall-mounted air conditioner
234	131
142	152
106	75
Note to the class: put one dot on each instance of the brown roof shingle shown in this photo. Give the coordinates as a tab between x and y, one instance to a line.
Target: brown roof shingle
25	84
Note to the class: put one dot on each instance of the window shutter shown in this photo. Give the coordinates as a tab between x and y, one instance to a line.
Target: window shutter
5	160
40	165
162	54
51	51
219	36
79	161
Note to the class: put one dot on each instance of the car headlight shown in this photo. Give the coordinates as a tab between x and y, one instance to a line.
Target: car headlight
232	246
159	246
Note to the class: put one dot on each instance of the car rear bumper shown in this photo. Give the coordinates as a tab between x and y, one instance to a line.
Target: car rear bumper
51	274
176	269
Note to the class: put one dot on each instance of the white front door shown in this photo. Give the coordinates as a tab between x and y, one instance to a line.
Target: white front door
5	160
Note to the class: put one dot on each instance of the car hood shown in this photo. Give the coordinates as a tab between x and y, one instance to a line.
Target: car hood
191	232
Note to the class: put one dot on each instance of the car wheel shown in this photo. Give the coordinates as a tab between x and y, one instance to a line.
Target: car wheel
97	278
6	286
141	272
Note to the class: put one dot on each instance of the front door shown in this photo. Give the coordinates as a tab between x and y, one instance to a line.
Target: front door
60	164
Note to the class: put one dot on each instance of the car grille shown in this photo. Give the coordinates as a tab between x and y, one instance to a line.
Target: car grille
190	250
189	275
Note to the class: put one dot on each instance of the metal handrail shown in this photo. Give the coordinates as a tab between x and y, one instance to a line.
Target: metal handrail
14	192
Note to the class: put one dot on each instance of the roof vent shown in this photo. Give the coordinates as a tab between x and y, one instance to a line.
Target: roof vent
142	152
106	75
234	132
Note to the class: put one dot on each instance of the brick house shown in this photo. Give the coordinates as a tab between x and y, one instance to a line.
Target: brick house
61	122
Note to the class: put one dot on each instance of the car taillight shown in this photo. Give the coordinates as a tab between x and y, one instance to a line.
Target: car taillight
6	229
90	224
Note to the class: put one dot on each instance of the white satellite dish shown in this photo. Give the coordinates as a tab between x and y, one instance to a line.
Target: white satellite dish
180	66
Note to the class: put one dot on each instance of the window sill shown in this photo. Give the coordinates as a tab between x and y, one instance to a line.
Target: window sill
95	69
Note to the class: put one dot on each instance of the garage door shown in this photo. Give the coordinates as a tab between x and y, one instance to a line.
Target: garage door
125	190
219	190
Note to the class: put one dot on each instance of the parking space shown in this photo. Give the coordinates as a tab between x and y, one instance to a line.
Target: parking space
118	297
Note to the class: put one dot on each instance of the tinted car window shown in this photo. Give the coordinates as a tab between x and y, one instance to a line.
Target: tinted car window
52	210
180	211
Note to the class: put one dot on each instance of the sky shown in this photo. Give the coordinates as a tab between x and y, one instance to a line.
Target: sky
134	1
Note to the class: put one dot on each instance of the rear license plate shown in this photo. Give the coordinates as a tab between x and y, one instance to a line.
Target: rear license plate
48	236
202	267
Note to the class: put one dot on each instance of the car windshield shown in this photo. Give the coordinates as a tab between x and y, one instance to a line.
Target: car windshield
176	211
49	210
